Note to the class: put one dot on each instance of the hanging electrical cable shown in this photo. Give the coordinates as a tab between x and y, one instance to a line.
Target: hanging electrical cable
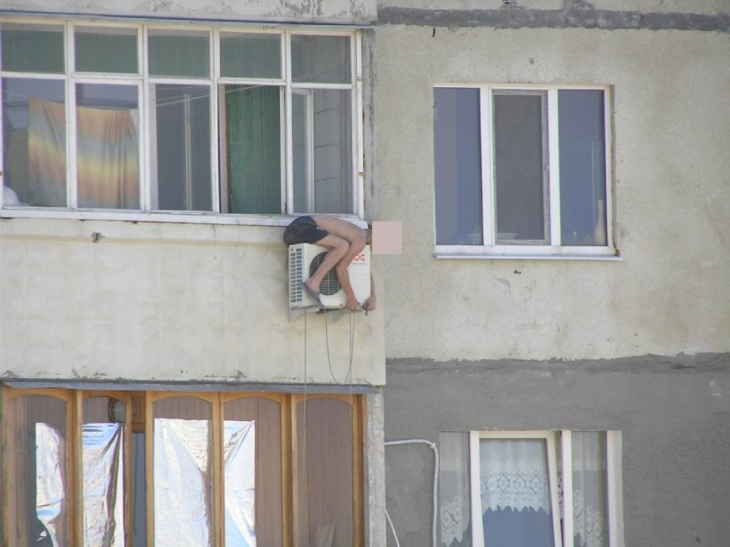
435	483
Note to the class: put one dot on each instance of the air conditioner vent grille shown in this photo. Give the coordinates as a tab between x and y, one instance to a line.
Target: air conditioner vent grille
330	284
296	268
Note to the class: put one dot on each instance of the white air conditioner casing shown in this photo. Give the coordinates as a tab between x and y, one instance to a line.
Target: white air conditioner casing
304	258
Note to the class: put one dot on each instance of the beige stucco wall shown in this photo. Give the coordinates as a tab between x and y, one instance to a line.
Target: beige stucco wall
167	301
669	293
327	11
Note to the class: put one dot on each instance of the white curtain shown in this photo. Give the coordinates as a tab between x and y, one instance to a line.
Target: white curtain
515	491
514	474
590	508
454	487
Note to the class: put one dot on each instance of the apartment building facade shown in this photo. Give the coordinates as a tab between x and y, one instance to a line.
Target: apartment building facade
557	325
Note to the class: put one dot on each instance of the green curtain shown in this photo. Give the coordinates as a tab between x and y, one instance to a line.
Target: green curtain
254	149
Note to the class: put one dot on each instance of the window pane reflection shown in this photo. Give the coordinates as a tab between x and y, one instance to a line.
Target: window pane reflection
181	140
34	138
520	168
322	151
582	167
457	164
320	59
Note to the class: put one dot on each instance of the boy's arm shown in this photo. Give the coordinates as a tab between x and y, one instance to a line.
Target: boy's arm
371	302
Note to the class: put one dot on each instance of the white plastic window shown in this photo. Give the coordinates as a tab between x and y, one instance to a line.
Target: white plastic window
117	119
522	171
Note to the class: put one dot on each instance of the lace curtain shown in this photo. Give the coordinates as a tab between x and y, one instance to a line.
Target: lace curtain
590	505
515	491
454	486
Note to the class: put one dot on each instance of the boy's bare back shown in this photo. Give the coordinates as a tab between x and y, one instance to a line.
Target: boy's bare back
340	228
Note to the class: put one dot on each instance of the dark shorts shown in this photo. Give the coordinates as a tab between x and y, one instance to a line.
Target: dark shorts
303	230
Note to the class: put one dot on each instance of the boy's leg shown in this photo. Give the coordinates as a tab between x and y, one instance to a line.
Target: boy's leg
337	249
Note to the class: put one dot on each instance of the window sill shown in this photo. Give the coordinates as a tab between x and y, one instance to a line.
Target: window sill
182	217
522	253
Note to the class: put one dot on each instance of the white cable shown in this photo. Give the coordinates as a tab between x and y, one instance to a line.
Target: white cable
435	482
392	528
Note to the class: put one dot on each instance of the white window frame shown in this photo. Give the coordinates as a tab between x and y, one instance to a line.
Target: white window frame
614	481
555	250
214	80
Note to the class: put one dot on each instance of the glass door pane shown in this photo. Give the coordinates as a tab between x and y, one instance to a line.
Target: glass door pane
253	472
104	471
183	472
36	459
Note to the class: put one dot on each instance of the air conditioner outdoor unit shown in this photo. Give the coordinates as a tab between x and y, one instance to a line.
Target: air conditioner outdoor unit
305	258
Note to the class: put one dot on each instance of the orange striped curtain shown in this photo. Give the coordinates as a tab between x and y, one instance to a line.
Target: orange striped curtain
107	152
47	152
108	159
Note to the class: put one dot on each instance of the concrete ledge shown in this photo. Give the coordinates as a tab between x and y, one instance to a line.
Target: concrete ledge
559	19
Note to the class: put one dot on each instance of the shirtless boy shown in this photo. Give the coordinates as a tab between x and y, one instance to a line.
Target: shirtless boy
344	241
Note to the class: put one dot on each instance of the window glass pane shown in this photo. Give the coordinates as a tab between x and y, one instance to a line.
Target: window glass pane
180	135
590	492
32	48
36	462
106	50
107	146
251	55
173	53
252	149
34	140
245	417
103	470
324	472
520	172
582	167
322	151
454	489
320	59
515	493
182	472
457	165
